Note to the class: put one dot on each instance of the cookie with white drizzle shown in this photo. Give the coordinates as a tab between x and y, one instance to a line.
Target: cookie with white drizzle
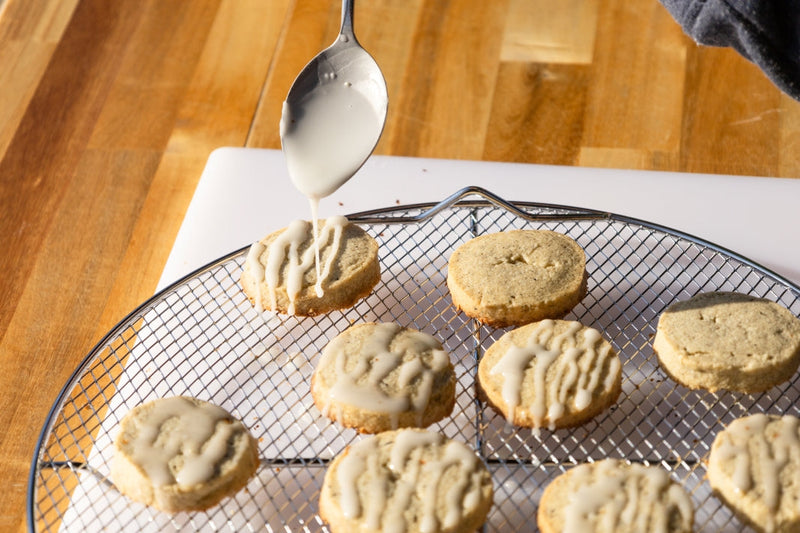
409	480
612	496
182	454
551	373
282	274
380	376
754	468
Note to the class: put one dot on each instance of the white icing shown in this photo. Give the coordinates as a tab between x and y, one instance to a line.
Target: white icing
285	250
200	466
351	467
359	373
314	205
253	263
759	453
383	505
455	453
198	433
406	442
639	498
578	366
377	488
327	136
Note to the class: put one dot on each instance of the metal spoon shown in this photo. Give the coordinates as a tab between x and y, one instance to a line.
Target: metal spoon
334	114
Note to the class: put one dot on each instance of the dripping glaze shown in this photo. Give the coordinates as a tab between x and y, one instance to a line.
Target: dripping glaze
200	434
385	351
326	136
411	455
284	255
579	363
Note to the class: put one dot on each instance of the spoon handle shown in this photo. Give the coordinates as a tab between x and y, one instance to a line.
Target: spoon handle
346	29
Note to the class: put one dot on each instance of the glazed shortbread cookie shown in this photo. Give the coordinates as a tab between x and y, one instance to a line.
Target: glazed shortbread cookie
552	373
281	273
612	496
516	277
754	467
376	377
182	454
409	480
726	340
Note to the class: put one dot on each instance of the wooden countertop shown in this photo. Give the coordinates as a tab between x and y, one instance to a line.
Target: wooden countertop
109	110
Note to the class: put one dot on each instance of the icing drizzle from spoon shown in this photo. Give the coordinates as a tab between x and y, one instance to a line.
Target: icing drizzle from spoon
284	259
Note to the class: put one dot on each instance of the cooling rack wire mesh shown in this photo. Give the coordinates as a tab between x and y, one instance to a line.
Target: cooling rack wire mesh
202	338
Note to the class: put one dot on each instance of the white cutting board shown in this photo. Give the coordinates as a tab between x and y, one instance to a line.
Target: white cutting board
245	193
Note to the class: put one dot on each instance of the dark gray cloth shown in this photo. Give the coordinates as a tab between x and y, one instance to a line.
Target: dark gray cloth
767	32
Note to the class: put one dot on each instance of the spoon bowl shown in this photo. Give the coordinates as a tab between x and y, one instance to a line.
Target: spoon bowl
334	114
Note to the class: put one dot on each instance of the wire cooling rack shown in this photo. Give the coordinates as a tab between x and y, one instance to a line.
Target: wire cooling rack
201	337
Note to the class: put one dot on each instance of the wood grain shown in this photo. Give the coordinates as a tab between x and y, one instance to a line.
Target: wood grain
538	31
542	119
109	110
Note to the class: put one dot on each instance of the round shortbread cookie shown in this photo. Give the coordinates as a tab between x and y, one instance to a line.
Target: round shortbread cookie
727	340
552	373
182	454
612	496
516	277
754	468
376	377
280	273
410	480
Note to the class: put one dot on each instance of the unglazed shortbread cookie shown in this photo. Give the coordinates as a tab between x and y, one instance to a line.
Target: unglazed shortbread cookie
516	277
727	340
552	373
406	481
281	272
182	454
754	467
612	496
377	377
